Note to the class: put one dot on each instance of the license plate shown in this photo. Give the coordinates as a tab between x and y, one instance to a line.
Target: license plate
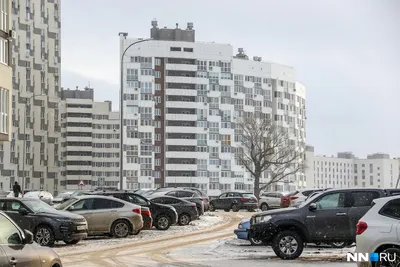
81	227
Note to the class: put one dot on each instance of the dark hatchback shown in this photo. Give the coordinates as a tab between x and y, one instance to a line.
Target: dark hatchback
46	223
187	211
235	201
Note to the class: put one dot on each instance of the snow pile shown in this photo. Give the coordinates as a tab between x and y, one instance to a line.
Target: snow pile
208	220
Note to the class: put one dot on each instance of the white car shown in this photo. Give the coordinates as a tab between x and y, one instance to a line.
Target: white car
271	200
379	231
301	195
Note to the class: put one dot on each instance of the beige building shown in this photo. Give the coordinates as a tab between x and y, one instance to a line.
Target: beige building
5	71
90	142
33	151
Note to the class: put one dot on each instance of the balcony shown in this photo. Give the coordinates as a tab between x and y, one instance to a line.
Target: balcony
181	98
184	67
183	142
181	117
180	73
188	111
181	92
181	148
181	123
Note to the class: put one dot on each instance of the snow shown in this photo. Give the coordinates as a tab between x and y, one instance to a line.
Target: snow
241	249
97	243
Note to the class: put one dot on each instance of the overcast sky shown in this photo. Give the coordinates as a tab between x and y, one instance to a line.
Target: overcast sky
346	53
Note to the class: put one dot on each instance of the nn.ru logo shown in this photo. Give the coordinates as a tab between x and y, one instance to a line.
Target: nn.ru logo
371	257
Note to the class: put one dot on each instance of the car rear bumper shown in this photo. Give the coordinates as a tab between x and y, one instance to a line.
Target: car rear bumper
147	222
241	234
137	223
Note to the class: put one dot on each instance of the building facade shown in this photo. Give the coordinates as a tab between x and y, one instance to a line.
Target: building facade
6	35
181	100
90	142
345	170
33	152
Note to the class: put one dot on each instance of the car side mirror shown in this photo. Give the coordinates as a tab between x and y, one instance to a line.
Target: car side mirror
312	206
23	211
28	237
71	208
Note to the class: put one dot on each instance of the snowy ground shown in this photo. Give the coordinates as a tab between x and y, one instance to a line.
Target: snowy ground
234	252
95	243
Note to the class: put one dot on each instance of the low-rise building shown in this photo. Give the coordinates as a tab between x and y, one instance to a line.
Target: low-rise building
345	170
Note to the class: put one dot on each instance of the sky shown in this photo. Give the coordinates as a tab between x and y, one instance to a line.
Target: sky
346	53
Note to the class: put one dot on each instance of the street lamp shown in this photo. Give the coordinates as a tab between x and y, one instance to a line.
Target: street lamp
28	102
121	108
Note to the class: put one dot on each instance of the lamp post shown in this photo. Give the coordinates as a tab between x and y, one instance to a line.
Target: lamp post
121	110
28	102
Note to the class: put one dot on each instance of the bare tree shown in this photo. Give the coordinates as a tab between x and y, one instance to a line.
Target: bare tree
266	147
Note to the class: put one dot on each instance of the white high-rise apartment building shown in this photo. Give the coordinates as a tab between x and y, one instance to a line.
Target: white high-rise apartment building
180	104
90	142
345	170
35	97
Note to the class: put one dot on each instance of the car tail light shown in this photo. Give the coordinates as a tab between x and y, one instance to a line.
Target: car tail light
284	202
202	199
138	211
147	212
361	227
194	206
293	197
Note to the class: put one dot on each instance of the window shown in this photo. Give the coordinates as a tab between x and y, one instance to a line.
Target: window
187	49
137	200
3	51
86	204
158	62
185	194
158	112
158	87
157	74
331	201
363	198
9	234
175	49
391	209
4	110
100	204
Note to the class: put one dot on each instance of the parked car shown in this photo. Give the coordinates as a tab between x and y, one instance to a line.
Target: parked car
235	201
242	233
11	194
327	217
60	198
147	219
106	215
297	197
144	191
189	195
163	215
187	211
379	231
42	195
17	247
46	223
206	199
271	200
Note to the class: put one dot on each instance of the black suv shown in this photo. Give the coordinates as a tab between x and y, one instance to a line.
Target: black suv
330	216
235	201
163	215
46	223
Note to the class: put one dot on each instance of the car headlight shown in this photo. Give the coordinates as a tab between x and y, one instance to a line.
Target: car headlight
240	226
260	219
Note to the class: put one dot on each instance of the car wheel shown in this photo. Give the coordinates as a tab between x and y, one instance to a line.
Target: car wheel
264	206
255	242
120	229
44	236
338	244
72	242
211	207
184	219
392	254
288	245
235	208
163	222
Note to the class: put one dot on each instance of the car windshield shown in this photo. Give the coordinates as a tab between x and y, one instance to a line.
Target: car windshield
65	204
38	206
